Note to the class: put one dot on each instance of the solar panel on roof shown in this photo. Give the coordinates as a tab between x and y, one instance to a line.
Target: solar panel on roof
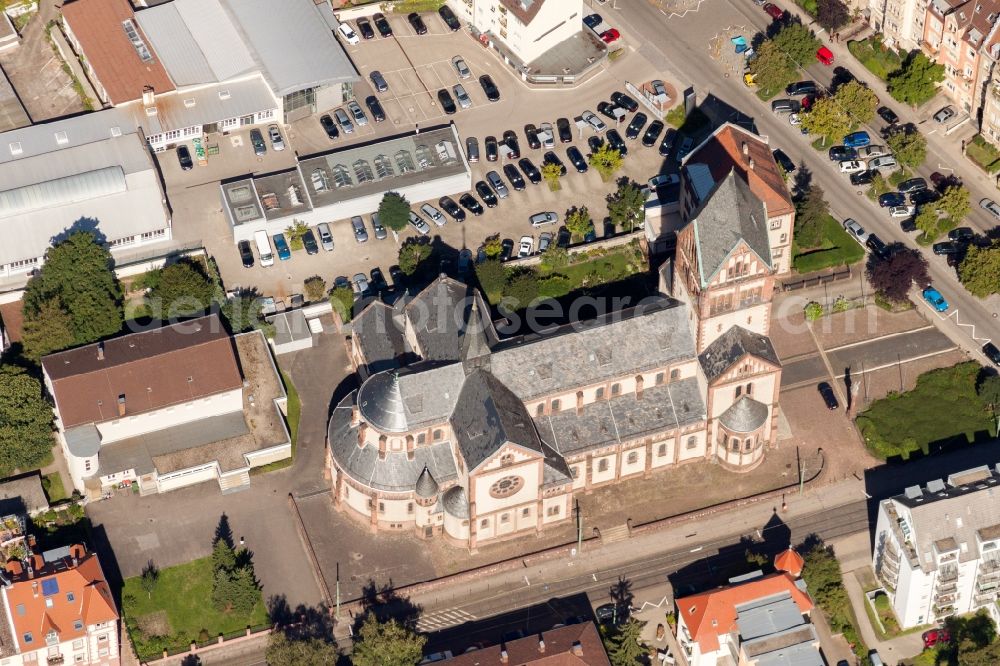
49	587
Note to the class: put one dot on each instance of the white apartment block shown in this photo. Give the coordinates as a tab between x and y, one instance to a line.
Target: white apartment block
900	22
528	28
937	547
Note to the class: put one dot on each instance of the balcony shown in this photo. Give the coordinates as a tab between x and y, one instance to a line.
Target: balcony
949	574
57	659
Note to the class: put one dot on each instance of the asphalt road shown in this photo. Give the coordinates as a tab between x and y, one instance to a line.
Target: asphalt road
681	44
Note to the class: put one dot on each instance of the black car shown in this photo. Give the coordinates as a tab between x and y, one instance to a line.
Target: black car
652	133
449	18
309	242
947	247
531	172
514	176
510	138
908	225
962	235
329	126
992	353
921	197
417	23
378	113
576	159
891	199
912	185
607	109
635	127
592	20
551	158
492	149
506	249
624	101
490	88
449	206
842	153
888	115
470	204
668	142
377	282
365	28
802	88
615	141
382	25
783	160
564	131
863	177
829	397
877	245
246	254
446	101
184	158
531	134
485	193
594	143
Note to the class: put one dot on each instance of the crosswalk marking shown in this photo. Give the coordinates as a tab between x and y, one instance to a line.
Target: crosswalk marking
443	619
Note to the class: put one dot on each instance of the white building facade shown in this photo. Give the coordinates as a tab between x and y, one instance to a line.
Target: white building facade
528	28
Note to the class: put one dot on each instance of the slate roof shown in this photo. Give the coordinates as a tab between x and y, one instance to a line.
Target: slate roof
584	353
23	495
744	415
379	337
456	502
395	473
732	214
400	400
487	416
426	486
437	316
733	345
622	418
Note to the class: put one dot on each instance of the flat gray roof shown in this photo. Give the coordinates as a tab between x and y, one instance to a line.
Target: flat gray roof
185	108
570	56
12	113
60	135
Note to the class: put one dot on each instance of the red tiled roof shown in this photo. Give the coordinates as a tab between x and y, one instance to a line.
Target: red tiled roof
789	561
712	614
153	369
12	317
559	645
98	26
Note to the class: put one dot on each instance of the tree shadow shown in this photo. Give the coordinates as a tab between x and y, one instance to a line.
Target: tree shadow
302	622
85	224
621	593
224	531
802	182
384	603
191	660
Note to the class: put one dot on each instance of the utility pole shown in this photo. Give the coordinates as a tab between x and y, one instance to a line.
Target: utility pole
579	528
337	615
802	470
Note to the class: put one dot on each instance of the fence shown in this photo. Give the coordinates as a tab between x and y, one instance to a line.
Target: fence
176	654
816	280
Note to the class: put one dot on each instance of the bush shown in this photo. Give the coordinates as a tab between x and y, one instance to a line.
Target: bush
342	300
315	288
813	311
394	211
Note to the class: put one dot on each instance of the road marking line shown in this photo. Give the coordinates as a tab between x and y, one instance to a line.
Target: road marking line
907	360
887	336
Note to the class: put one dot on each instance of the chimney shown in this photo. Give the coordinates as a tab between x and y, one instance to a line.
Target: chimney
148	95
577	648
100	351
746	148
121	405
639	382
503	656
541	645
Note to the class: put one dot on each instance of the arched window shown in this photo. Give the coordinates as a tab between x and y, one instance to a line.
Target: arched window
555	405
602	465
506	459
748	445
540	409
749	388
739	391
692	442
633	457
734	444
438	434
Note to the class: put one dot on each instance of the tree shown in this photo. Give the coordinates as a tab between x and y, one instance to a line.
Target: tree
916	81
606	160
811	211
342	300
150	577
954	203
315	288
386	644
412	254
798	43
832	14
928	222
223	556
492	278
980	270
554	257
49	330
522	289
244	590
552	172
772	68
283	650
295	232
234	586
857	100
893	275
821	572
622	643
394	211
25	421
988	655
578	222
989	391
243	312
493	246
909	148
828	118
77	277
626	206
181	289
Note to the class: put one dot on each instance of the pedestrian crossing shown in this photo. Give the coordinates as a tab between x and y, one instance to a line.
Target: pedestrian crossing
443	619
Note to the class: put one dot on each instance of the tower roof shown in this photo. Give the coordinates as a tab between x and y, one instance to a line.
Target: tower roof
745	415
381	402
789	561
426	486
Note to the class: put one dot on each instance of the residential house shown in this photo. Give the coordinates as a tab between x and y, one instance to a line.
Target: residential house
900	23
572	645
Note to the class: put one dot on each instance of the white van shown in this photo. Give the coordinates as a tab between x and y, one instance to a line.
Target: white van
264	248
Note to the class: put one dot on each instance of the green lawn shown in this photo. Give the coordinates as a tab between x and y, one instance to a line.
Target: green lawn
878	59
885	615
984	154
179	610
943	406
53	486
837	249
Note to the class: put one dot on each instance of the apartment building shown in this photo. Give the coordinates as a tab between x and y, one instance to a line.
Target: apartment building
937	546
899	22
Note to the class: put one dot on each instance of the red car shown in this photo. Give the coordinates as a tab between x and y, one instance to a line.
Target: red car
824	55
935	636
610	35
774	11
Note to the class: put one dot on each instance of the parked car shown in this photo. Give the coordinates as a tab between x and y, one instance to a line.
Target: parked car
594	143
449	206
526	247
576	159
945	248
635	127
609	110
184	158
246	254
852	227
449	18
419	224
615	141
530	171
551	158
434	214
944	115
686	145
824	55
877	246
908	225
496	182
659	89
281	247
857	139
486	194
365	28
962	235
377	281
842	153
489	88
592	20
329	126
884	162
357	113
348	34
872	151
446	102
921	197
375	107
510	139
935	299
652	133
462	69
378	81
669	137
991	207
863	177
786	106
891	199
565	133
472	149
802	88
610	36
595	123
541	219
346	126
663	180
783	160
417	23
902	211
506	249
325	237
544	241
492	149
991	352
358	225
257	141
912	185
309	242
829	397
378	228
382	25
852	166
547	135
624	101
775	12
470	204
360	282
888	115
516	181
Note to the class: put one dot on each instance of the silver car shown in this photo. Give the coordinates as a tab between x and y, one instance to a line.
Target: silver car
463	70
853	228
595	123
472	149
541	219
463	98
360	283
346	126
496	182
360	233
359	116
379	228
991	207
546	135
418	224
276	141
325	237
433	213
